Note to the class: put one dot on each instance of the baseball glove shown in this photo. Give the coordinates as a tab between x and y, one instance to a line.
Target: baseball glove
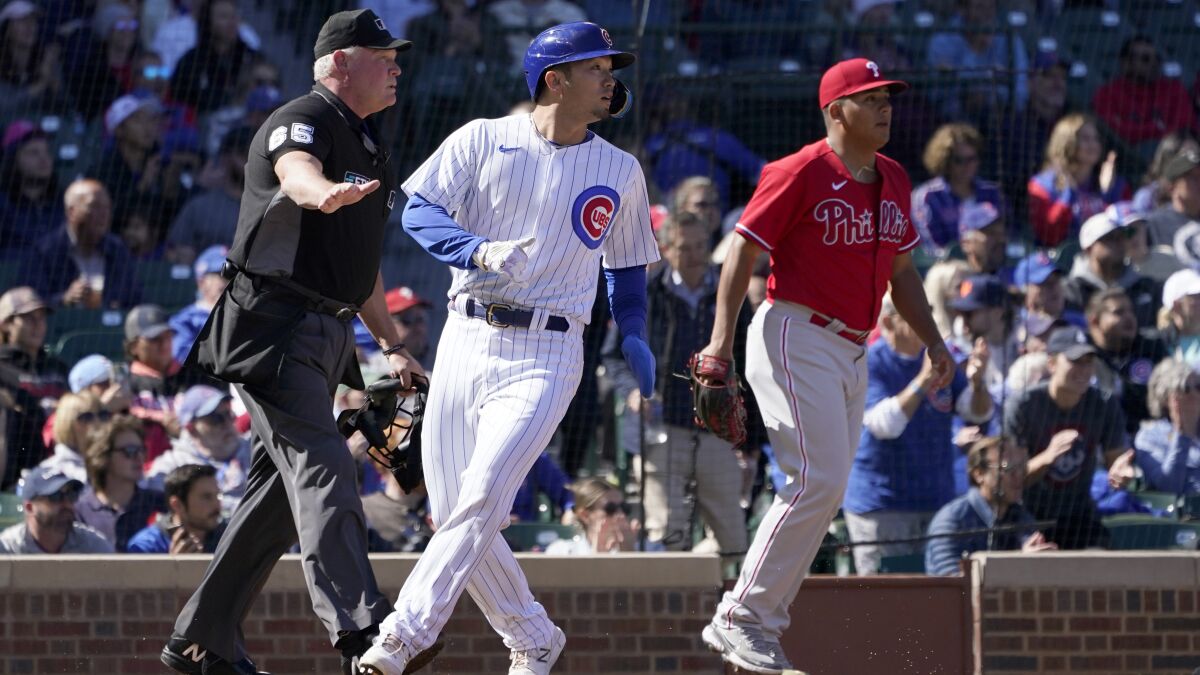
391	425
716	401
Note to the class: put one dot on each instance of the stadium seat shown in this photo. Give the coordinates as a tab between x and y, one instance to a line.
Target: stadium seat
1093	36
166	284
11	509
1189	508
536	536
71	319
78	344
8	275
1165	501
910	563
1133	532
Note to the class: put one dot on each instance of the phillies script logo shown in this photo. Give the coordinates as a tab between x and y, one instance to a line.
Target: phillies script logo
592	213
843	223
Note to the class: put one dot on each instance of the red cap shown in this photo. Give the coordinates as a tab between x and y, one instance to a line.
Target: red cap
850	77
403	298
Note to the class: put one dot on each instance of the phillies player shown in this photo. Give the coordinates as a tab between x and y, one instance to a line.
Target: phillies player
538	202
834	217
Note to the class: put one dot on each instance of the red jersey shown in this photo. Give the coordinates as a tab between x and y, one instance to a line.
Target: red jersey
832	239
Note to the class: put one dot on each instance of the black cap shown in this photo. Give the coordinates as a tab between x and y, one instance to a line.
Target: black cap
1070	342
977	292
357	28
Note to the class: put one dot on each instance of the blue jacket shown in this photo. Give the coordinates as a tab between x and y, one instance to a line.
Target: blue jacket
971	512
50	270
545	477
936	209
1171	462
187	323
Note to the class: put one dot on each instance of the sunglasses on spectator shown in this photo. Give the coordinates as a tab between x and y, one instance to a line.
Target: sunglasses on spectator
98	416
708	205
68	495
131	451
218	417
962	160
612	508
410	320
1011	467
155	72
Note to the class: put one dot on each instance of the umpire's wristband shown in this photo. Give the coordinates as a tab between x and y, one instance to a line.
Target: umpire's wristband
393	349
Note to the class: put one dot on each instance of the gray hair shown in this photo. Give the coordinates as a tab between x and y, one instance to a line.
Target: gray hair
323	67
1169	376
1026	371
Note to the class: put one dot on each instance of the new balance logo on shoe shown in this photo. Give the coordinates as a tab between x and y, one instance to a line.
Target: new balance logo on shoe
195	652
545	656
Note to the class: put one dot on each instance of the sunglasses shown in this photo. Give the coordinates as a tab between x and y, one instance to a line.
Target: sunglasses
99	416
962	160
612	508
131	451
218	417
63	496
155	72
411	320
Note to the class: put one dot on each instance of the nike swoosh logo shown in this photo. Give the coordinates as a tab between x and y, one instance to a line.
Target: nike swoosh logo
839	186
505	148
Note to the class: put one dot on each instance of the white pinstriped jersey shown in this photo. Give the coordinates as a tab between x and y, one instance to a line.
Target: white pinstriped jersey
500	179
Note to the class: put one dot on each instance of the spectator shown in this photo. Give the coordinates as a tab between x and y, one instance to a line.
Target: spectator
877	35
458	30
1024	136
941	286
112	503
1155	190
682	295
133	167
1063	425
904	468
177	33
210	438
1104	264
98	60
82	264
1181	305
140	229
258	97
207	75
193	523
1168	446
1155	261
94	374
401	519
30	77
984	240
29	205
698	195
50	527
23	317
545	478
982	305
1028	370
732	48
1181	175
602	516
210	218
952	157
522	19
1044	298
997	472
977	51
74	421
210	284
1073	185
410	314
1126	355
1141	104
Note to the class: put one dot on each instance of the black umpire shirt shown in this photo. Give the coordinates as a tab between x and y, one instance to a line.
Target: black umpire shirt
337	254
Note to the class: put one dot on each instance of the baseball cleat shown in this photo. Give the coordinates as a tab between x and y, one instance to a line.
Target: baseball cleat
182	655
390	656
748	649
537	661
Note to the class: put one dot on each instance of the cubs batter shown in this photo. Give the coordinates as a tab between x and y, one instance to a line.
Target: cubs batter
525	208
834	217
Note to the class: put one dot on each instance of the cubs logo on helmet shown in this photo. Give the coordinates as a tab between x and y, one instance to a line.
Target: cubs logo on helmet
593	212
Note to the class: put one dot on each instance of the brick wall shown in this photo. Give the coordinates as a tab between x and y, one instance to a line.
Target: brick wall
1098	612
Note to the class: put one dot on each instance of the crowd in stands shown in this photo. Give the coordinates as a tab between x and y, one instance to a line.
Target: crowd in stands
1060	246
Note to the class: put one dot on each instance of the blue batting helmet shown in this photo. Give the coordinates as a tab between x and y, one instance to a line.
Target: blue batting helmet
569	42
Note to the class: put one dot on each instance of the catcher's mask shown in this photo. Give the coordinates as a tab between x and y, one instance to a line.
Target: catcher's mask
390	422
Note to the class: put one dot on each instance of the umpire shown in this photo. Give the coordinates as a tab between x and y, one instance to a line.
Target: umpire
304	262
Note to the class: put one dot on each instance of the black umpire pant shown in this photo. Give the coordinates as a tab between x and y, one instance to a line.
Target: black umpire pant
301	487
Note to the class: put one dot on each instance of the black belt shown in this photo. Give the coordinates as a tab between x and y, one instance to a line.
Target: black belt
313	301
504	316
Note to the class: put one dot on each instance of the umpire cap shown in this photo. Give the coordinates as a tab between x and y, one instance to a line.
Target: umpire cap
356	28
567	43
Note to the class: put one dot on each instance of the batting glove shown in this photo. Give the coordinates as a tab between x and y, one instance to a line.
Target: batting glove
504	257
641	362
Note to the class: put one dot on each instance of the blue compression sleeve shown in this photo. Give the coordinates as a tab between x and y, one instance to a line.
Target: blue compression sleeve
433	228
627	299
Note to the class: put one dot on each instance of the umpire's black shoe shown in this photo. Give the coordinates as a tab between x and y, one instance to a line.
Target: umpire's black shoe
183	655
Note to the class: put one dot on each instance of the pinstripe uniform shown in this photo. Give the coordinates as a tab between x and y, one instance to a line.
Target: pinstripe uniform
498	393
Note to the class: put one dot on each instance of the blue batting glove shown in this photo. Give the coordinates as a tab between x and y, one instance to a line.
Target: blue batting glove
641	361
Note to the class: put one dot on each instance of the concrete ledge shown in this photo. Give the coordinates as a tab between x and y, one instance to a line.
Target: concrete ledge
160	572
1088	569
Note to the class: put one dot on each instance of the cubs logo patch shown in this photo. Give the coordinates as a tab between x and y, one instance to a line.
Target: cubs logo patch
1139	371
356	178
278	136
592	213
302	133
607	38
940	399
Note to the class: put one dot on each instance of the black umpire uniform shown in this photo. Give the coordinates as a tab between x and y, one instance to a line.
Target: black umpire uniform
282	334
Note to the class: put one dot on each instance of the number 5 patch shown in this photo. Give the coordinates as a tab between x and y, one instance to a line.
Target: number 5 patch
302	133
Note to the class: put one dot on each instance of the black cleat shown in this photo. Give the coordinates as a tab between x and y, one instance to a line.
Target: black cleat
184	656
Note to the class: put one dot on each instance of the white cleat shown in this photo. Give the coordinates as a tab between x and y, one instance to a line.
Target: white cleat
748	649
537	661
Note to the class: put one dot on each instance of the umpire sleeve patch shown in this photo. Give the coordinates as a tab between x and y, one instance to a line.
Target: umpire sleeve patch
302	133
278	136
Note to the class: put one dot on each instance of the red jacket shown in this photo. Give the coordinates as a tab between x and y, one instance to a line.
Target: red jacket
1143	112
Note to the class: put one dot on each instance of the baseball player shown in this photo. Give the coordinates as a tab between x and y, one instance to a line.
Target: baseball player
834	217
524	208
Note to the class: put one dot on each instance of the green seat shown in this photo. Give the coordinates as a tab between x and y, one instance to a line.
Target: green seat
1134	531
166	284
11	509
536	536
78	344
1166	501
72	319
1189	508
909	563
